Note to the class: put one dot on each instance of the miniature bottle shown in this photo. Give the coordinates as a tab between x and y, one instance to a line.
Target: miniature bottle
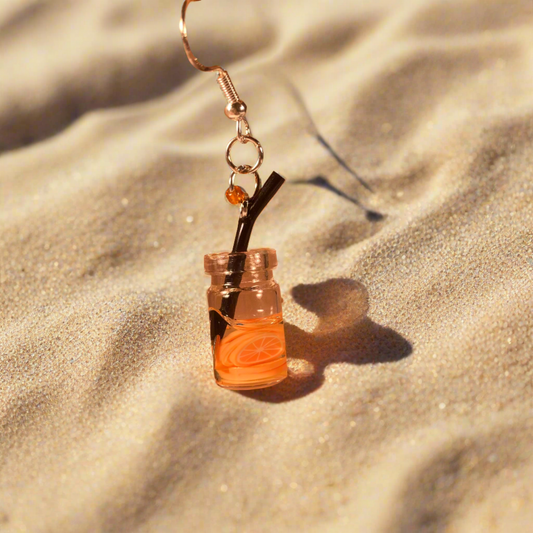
247	334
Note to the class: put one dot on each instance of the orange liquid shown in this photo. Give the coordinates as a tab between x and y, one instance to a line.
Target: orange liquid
251	355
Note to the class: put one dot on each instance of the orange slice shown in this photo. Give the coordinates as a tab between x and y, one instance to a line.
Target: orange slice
262	349
259	371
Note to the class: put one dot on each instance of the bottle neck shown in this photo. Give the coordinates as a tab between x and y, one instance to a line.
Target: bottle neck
241	279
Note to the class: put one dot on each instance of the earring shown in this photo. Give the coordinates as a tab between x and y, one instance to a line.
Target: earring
246	322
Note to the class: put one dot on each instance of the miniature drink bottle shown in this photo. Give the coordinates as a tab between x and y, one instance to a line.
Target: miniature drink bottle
247	335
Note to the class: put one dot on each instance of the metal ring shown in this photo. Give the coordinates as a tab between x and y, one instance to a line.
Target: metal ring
246	140
258	183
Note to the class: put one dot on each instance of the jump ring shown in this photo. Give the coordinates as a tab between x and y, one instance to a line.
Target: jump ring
241	170
260	155
258	183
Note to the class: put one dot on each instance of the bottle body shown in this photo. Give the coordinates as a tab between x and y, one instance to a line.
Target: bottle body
246	321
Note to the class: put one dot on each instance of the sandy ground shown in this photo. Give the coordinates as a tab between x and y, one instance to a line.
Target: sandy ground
408	306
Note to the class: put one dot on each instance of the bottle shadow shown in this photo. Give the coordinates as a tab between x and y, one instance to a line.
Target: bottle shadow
344	334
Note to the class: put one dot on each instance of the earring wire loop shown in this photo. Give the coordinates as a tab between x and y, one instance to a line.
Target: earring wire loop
248	130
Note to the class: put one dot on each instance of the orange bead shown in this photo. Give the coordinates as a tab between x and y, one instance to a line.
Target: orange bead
236	196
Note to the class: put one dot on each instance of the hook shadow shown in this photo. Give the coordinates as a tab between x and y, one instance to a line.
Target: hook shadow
324	183
344	334
319	137
319	181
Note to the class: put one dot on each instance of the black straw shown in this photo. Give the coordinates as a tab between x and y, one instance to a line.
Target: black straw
255	207
237	259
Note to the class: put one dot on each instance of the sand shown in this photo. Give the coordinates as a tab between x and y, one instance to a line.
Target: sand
408	307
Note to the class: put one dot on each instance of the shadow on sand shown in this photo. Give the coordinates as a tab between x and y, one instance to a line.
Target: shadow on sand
344	334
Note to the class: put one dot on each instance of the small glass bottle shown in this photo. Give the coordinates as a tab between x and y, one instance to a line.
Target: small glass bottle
247	335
